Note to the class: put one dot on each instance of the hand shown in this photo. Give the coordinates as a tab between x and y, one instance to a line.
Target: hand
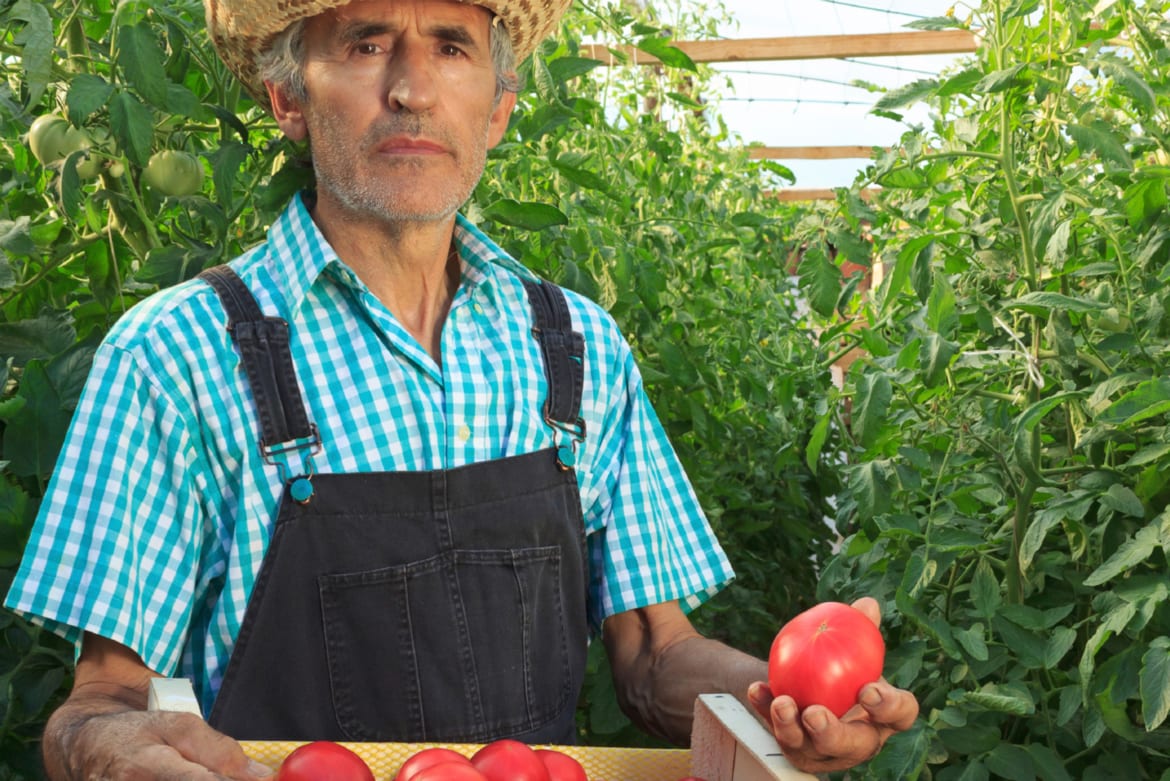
816	741
156	744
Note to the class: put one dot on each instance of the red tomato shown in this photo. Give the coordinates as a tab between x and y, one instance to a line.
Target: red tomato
428	757
825	655
509	760
451	771
561	766
323	761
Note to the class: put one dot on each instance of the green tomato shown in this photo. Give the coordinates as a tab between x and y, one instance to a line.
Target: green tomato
51	139
174	173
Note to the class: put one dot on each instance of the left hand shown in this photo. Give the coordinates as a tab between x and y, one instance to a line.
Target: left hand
816	741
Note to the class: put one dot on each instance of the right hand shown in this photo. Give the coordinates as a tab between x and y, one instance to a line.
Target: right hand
104	731
144	745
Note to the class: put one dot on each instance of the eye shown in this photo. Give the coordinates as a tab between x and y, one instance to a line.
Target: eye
366	48
450	50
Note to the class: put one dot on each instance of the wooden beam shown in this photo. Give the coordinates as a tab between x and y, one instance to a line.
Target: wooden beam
811	194
805	47
810	152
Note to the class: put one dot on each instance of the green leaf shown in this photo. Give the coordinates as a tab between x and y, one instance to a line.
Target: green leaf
820	279
973	642
816	442
547	87
1147	400
870	405
1059	644
36	44
1155	683
133	126
565	68
1131	553
1129	80
527	215
936	353
16	236
904	755
1144	200
583	176
1100	139
33	437
871	484
1000	80
1001	699
667	53
986	594
907	94
41	337
141	59
1011	762
1049	765
87	93
1041	302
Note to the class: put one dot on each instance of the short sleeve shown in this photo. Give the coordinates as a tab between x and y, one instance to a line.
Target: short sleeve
118	538
650	541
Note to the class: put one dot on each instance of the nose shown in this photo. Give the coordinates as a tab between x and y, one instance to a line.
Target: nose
412	79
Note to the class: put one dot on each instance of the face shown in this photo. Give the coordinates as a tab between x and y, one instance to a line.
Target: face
401	107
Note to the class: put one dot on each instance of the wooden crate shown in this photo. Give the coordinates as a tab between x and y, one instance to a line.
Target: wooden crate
727	744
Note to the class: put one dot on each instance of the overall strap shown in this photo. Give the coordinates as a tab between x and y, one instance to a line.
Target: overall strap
263	343
563	350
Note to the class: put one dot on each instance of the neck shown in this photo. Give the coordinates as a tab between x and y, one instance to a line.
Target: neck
412	268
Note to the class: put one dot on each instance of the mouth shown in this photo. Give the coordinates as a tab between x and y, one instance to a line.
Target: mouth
408	145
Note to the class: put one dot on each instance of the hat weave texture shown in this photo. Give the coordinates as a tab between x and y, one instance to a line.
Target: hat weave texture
241	29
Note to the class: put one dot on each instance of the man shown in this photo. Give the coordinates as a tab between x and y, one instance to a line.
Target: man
376	481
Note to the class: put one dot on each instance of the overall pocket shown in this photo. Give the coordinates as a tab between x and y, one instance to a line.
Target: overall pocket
465	646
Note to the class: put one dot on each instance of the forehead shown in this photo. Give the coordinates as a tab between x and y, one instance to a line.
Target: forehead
396	14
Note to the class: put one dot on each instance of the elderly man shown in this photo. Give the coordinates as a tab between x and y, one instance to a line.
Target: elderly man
373	480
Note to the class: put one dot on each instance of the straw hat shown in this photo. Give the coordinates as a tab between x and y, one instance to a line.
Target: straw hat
241	29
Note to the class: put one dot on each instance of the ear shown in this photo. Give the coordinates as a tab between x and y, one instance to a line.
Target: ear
498	124
287	111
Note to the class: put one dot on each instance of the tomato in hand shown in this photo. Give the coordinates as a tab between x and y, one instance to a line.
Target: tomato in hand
428	757
825	655
561	766
450	771
509	760
323	760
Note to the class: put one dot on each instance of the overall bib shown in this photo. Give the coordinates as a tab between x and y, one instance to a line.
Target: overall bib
445	606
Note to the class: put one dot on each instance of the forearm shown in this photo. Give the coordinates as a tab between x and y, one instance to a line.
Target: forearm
661	665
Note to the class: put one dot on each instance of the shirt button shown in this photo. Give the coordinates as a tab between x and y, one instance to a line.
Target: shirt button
477	308
463	433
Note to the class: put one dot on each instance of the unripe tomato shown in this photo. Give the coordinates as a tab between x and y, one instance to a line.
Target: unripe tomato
323	760
52	138
174	173
825	655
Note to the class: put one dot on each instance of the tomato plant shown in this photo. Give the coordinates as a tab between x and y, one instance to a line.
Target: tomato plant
825	655
509	760
323	760
561	766
428	757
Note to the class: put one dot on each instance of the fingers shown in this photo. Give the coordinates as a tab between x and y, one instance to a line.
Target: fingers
198	742
887	706
871	608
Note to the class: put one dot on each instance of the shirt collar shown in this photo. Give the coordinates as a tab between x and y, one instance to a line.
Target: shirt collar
300	254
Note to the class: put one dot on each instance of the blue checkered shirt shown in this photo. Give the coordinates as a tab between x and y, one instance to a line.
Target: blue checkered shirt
160	510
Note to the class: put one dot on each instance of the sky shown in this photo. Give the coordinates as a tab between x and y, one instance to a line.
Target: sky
812	102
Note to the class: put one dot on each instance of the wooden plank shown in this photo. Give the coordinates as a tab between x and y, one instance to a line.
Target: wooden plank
729	744
810	152
811	194
804	47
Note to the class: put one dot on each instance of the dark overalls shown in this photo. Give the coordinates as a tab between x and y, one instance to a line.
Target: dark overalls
412	606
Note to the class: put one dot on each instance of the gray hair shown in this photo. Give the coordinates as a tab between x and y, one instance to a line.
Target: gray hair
283	61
